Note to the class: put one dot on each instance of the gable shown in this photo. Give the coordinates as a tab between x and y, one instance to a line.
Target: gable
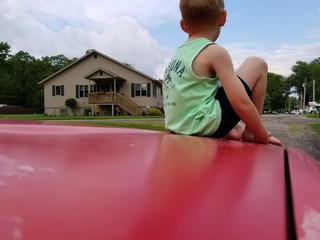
100	73
100	66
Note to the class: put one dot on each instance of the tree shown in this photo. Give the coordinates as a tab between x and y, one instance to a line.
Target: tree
303	75
22	78
4	51
128	65
21	73
72	103
4	72
57	62
277	92
315	76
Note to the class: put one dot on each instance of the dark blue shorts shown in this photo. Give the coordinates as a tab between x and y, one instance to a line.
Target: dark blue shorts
229	118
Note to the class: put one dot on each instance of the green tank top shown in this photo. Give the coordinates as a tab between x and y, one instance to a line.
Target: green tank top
189	101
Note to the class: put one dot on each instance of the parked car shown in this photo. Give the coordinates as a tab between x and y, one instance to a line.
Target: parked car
78	182
296	111
314	109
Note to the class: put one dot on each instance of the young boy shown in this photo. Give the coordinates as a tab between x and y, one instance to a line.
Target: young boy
203	95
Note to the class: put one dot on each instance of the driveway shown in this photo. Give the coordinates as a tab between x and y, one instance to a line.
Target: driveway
294	130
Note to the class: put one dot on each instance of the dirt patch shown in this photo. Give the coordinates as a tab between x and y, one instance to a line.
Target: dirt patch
294	130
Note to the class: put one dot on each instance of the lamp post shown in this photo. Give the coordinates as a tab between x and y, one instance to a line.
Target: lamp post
304	93
314	91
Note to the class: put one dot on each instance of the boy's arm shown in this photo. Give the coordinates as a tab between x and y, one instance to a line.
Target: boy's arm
221	63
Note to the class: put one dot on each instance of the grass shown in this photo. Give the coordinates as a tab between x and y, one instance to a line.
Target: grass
294	128
159	126
139	125
96	120
312	115
315	127
42	117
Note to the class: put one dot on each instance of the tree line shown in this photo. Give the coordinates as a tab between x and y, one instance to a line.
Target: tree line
286	93
21	73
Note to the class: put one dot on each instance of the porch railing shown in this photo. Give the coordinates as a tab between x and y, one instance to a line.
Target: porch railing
115	98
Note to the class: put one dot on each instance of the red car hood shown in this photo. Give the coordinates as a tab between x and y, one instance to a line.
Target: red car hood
79	182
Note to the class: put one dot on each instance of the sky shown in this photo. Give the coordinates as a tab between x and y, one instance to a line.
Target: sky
145	33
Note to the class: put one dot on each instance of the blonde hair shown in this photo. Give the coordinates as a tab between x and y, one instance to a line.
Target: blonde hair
200	11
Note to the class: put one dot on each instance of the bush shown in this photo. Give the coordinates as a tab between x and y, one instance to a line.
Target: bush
71	102
154	112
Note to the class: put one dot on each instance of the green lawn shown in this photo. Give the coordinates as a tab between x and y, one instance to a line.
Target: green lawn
86	120
139	125
312	115
42	117
315	127
135	124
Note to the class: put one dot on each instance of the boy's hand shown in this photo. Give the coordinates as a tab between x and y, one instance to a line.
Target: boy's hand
248	136
273	140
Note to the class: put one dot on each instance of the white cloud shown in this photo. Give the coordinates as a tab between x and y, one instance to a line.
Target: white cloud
315	16
43	29
119	29
314	33
125	40
147	13
281	60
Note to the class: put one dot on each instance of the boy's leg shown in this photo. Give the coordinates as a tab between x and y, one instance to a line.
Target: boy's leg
236	132
254	72
230	126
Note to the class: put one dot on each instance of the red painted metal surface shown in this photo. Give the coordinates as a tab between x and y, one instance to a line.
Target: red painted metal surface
75	182
305	184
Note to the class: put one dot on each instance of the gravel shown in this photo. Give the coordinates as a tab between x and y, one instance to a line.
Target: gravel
294	131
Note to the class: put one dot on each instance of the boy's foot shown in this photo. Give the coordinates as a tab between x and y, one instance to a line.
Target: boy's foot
274	141
247	135
236	133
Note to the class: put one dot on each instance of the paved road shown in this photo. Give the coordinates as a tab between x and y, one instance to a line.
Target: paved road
294	130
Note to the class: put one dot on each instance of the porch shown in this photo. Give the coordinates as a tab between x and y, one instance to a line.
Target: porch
106	92
115	100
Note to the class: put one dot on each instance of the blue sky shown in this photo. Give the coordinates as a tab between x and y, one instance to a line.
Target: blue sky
146	33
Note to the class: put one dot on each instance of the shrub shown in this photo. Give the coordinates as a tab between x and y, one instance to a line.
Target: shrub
154	112
71	102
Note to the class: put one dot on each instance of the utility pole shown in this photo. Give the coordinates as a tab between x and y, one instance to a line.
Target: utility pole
304	93
314	91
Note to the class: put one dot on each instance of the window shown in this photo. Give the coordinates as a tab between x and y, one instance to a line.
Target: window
154	90
140	89
82	91
58	90
93	88
144	89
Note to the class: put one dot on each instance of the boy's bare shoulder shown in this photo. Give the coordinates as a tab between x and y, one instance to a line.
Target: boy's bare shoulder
215	52
216	49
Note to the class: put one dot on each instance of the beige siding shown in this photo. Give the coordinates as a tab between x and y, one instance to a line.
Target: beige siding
75	75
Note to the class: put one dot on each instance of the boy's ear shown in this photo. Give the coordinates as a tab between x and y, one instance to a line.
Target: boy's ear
183	26
223	18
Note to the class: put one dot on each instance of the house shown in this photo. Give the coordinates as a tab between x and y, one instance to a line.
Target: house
101	86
